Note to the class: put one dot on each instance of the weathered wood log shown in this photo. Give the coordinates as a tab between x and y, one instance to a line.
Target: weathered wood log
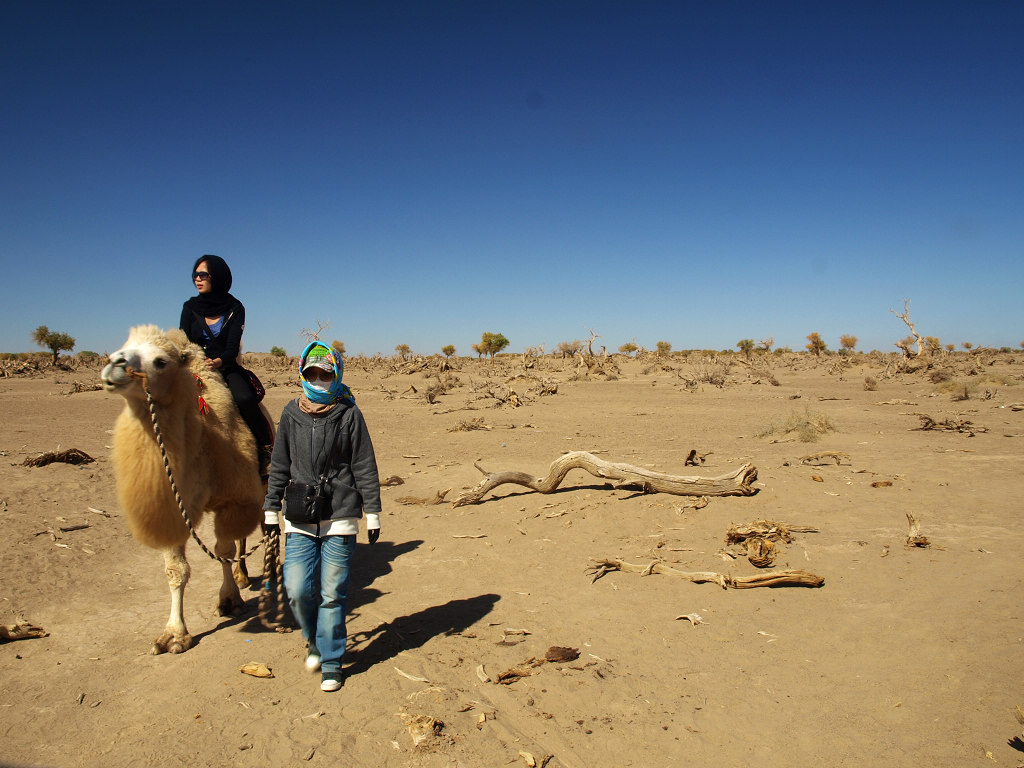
914	537
437	498
792	578
70	456
20	631
952	425
735	483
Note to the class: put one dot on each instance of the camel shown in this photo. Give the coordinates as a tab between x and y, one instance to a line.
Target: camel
211	453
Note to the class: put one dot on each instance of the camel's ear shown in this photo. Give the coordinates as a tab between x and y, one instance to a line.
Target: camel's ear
178	338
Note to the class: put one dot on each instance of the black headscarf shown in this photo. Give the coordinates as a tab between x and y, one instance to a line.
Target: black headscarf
218	302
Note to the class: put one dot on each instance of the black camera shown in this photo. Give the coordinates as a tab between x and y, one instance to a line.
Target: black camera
307	504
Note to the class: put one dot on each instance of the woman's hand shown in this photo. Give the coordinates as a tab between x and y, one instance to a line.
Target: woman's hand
373	534
214	364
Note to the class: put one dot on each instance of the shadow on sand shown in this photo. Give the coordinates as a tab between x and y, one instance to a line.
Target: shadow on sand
405	633
371	562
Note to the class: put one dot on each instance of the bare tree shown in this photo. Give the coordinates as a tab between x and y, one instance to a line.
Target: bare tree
569	348
310	335
905	317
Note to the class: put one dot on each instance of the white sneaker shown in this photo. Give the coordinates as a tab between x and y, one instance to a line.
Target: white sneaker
330	682
312	663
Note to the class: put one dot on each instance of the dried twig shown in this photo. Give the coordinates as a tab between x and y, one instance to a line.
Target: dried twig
821	459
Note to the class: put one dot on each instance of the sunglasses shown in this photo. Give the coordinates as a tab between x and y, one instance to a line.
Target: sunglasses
200	276
317	374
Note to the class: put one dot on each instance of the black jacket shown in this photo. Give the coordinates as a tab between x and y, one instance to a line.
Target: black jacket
227	345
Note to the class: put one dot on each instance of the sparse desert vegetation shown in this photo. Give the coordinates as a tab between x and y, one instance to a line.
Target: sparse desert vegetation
885	427
807	426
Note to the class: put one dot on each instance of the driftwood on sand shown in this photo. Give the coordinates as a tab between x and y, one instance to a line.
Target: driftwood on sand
20	631
793	578
70	456
735	483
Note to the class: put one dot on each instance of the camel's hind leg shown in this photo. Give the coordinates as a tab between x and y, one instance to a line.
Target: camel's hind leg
175	637
230	602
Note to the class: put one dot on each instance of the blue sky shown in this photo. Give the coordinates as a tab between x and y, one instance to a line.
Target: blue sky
421	172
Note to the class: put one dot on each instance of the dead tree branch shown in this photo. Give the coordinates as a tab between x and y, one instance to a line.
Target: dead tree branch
310	335
905	317
793	578
735	483
70	456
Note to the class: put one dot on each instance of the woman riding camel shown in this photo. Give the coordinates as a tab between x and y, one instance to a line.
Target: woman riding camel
215	320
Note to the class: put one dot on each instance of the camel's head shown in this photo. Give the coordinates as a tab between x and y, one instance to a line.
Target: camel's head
161	358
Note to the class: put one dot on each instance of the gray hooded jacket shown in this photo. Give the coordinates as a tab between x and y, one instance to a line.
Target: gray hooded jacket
337	445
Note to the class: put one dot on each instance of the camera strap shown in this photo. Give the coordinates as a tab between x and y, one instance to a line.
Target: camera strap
321	477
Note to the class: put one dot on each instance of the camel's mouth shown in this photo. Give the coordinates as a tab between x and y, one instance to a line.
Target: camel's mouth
115	376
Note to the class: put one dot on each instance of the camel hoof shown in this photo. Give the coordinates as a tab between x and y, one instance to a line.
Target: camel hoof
168	643
230	607
241	575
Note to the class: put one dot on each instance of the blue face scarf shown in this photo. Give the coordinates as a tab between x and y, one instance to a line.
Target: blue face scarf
337	392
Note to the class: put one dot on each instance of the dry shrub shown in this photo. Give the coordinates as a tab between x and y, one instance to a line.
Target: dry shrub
808	426
870	383
709	369
959	389
544	387
469	425
442	385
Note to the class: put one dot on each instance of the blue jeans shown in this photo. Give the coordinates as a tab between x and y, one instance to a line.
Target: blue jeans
316	579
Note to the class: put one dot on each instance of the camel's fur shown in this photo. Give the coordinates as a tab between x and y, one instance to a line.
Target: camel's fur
212	457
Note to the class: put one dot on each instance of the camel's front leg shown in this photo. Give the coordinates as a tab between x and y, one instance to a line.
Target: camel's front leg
241	572
231	602
175	638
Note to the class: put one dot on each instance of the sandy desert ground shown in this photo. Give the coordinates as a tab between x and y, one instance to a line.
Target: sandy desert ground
907	655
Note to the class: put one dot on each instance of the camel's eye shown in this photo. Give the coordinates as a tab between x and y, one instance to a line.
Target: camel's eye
160	363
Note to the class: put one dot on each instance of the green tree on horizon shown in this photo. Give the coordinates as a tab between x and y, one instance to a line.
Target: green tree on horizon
492	343
816	344
53	341
628	348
